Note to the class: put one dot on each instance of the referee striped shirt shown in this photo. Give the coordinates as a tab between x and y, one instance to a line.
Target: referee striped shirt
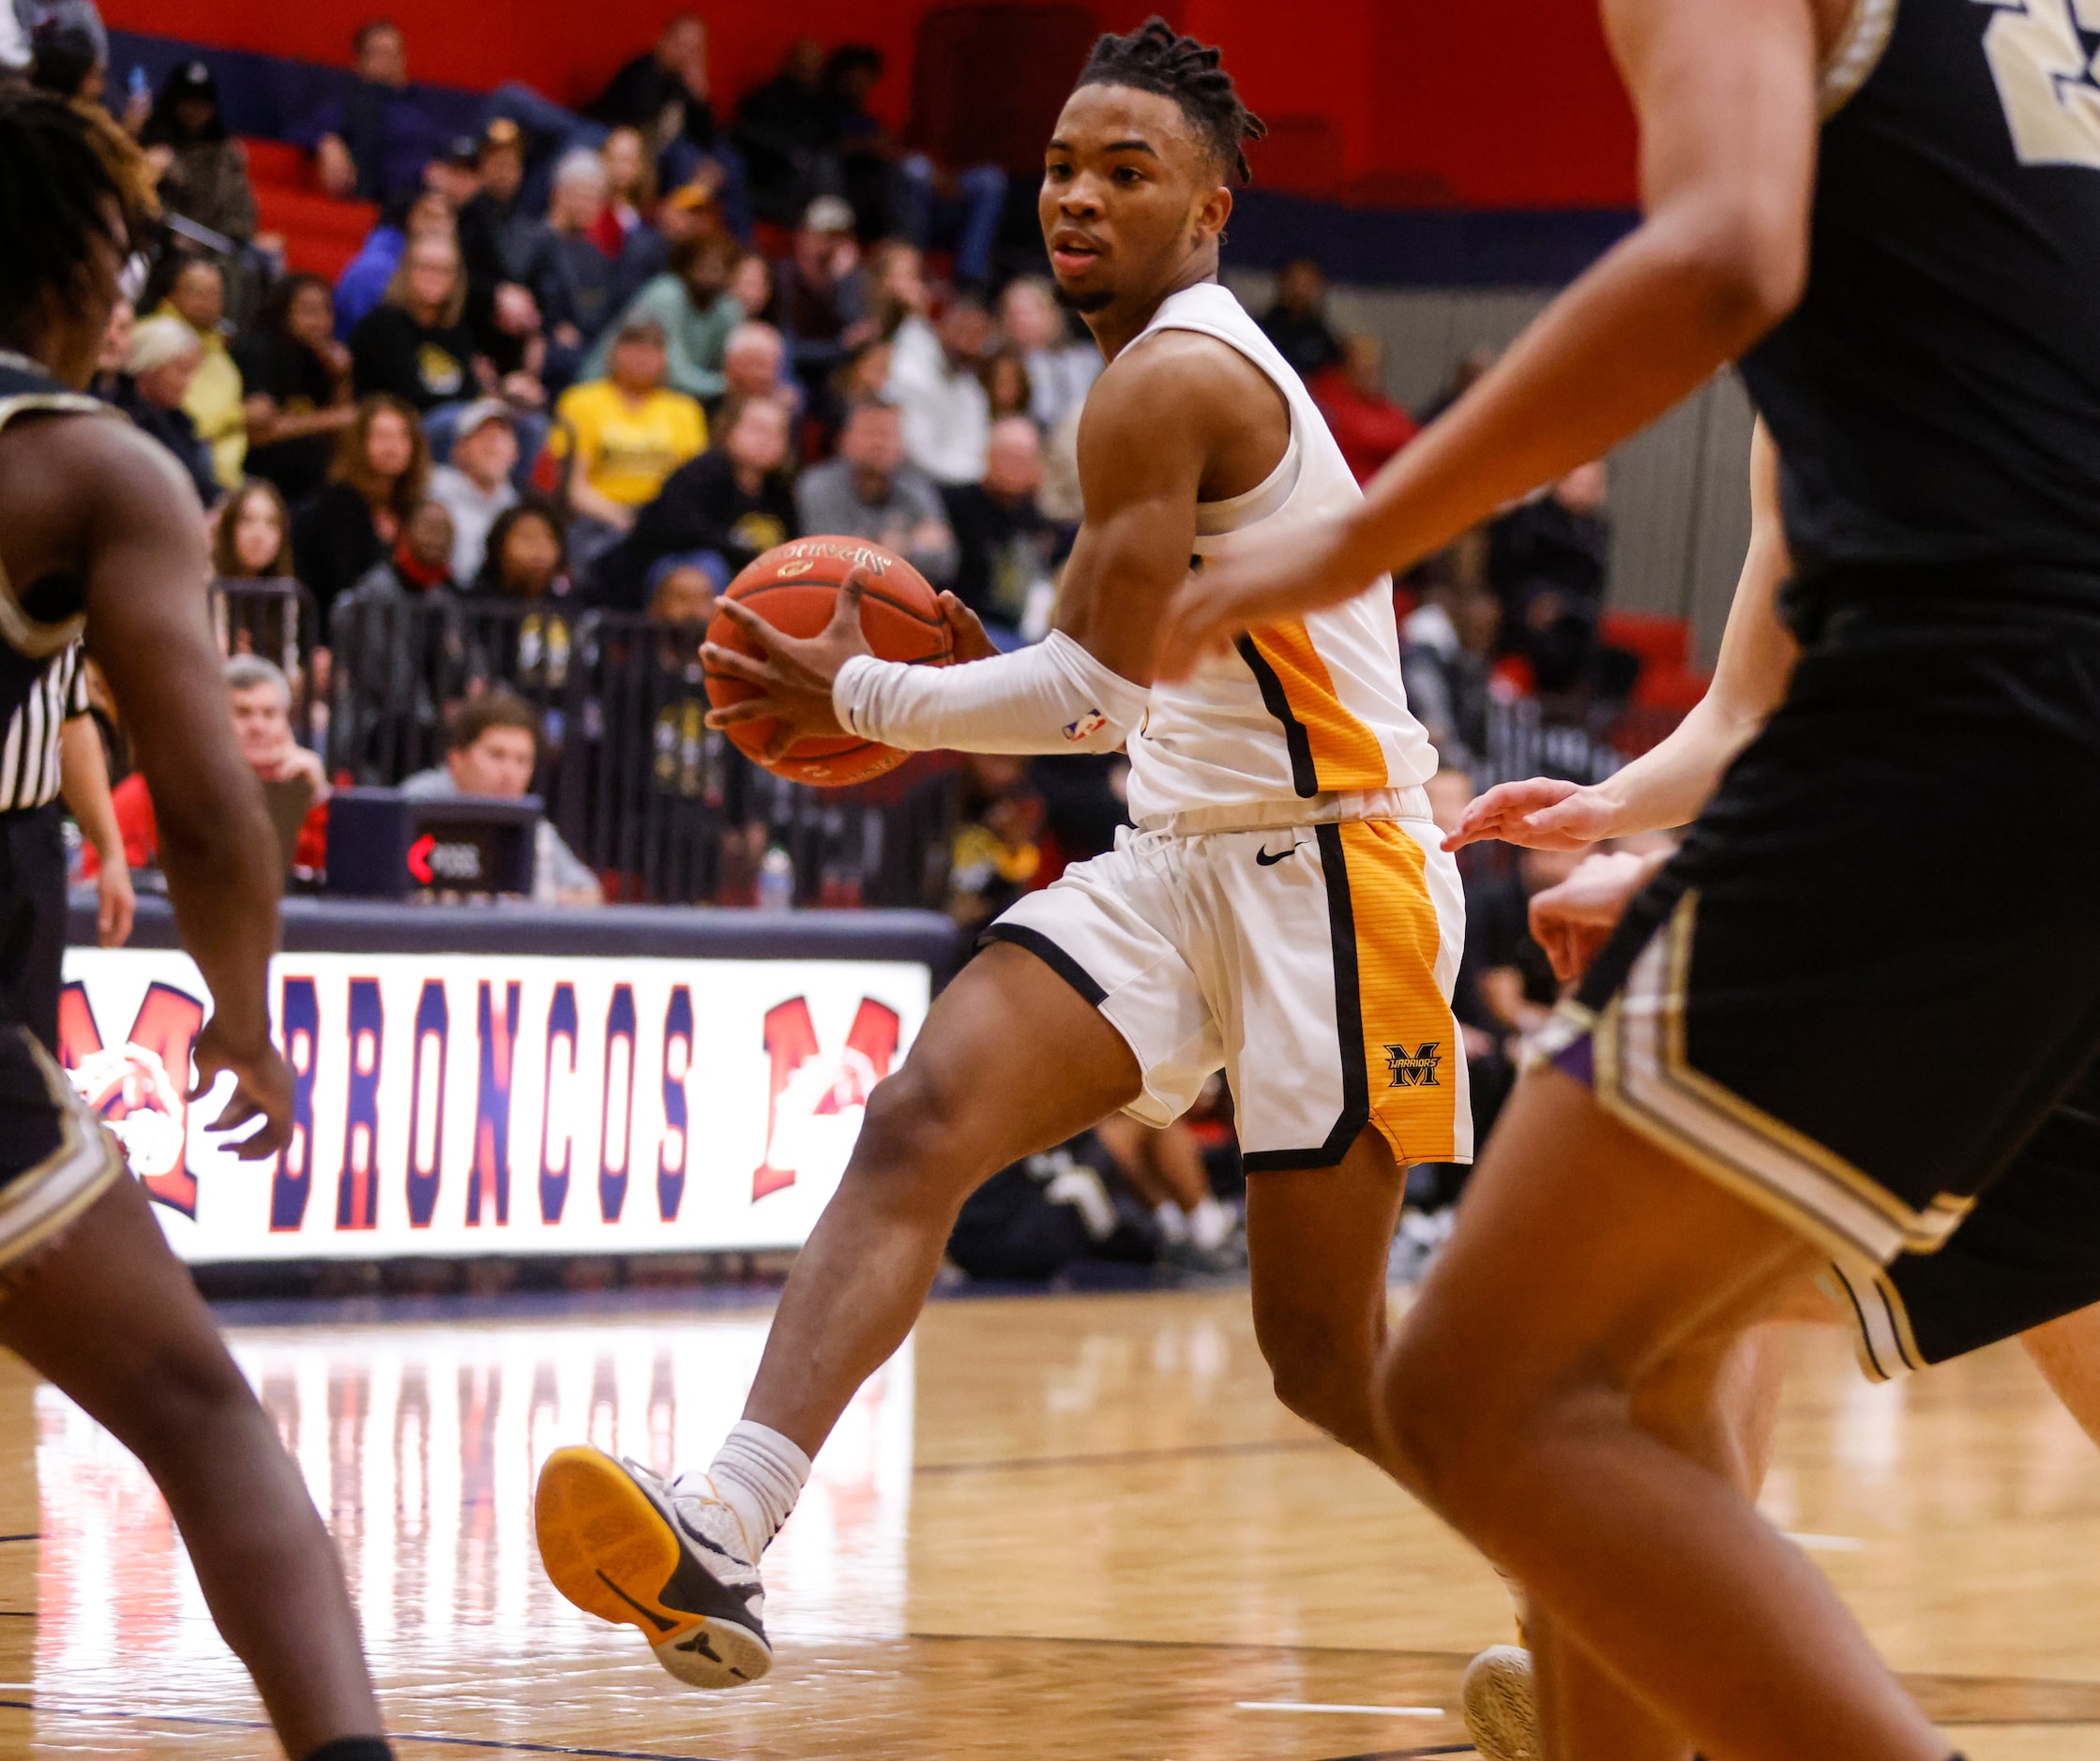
29	756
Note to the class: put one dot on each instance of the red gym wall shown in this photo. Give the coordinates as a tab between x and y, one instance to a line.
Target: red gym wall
1481	104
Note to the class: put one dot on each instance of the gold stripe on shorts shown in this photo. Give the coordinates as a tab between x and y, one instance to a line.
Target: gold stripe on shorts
1413	1063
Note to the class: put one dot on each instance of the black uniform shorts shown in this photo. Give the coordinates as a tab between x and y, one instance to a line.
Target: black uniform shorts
1871	973
2030	1253
55	1157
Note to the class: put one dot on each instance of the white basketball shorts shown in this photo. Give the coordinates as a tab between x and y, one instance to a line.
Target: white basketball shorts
1312	963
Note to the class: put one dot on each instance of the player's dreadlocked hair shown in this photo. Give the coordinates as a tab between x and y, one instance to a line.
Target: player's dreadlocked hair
60	164
1156	57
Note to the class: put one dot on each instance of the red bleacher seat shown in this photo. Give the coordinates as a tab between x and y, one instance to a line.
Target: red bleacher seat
1662	643
277	162
321	234
1667	680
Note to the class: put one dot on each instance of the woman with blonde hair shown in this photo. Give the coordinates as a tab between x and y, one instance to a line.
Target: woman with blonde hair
414	344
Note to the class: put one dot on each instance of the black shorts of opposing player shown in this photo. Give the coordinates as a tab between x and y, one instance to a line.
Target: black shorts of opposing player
2029	1253
1873	970
1861	988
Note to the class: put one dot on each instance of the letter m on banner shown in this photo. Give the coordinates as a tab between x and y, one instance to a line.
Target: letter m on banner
140	1086
806	1085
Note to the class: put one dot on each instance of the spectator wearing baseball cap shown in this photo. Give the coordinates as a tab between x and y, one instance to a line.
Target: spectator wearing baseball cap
494	225
202	170
824	300
474	486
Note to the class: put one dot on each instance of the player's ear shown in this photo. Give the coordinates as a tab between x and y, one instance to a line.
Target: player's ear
1212	211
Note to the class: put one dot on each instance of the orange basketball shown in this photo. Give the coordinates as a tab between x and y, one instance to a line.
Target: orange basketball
793	587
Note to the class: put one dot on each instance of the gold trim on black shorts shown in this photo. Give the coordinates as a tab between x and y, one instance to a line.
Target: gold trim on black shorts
1645	1080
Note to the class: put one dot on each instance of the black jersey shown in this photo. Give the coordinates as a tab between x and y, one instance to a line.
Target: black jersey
40	619
1936	395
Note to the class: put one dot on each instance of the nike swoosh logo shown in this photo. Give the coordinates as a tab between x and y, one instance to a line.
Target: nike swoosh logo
1268	858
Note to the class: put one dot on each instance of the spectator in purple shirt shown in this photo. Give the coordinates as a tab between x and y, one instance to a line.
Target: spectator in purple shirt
374	142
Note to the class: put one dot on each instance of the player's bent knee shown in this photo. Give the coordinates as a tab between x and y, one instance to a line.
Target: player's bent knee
1322	1385
177	1398
917	1131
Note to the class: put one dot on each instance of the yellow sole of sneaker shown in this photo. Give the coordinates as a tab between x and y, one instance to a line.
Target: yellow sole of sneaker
605	1545
609	1551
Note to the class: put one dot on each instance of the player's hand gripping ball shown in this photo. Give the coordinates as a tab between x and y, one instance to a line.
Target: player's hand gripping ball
783	629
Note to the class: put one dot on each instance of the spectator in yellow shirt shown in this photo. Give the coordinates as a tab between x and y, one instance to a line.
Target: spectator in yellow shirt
627	434
213	403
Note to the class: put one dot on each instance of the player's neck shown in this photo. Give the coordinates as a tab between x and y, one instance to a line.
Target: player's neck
1116	327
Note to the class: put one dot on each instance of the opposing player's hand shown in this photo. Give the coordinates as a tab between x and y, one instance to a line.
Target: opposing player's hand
1574	920
1282	576
967	640
262	1090
794	674
1540	813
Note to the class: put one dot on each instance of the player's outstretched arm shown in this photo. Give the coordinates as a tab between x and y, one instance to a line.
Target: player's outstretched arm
1156	423
1725	93
149	629
1669	784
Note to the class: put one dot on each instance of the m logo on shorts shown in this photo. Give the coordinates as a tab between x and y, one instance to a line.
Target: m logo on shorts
1415	1069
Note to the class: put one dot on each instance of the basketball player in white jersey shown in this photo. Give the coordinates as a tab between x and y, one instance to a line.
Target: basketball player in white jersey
1282	911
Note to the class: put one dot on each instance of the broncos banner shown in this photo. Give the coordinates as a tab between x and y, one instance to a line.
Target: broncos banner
462	1105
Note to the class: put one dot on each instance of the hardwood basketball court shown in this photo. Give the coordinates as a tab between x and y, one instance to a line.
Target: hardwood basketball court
1056	1526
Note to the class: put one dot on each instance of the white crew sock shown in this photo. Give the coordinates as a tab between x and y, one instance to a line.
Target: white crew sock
1210	1224
758	1474
1174	1224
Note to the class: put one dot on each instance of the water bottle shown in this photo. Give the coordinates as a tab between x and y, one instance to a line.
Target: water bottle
777	881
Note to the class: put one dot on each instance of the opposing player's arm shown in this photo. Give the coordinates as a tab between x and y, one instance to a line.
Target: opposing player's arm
1725	93
1182	418
149	629
1669	784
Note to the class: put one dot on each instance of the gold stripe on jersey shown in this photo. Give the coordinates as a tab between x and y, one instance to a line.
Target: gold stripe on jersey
1410	1055
1345	753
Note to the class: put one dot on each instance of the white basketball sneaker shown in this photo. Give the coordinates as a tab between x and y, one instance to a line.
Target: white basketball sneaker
1501	1712
666	1556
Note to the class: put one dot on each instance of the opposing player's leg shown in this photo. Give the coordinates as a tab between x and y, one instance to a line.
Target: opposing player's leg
1317	1241
107	1315
1586	1258
1012	1060
2067	1353
1717	1404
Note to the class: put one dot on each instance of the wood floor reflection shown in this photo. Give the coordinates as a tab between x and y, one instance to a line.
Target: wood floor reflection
1055	1527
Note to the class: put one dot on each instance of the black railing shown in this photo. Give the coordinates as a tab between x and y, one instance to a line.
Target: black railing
275	619
1577	737
663	808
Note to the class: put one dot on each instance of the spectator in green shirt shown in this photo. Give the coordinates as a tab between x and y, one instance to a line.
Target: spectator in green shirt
692	304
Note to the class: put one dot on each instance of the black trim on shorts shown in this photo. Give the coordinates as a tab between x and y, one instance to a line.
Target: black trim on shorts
1051	956
1349	1022
1304	778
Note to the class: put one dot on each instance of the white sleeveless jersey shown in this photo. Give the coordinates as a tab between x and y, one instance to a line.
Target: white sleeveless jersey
1307	707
